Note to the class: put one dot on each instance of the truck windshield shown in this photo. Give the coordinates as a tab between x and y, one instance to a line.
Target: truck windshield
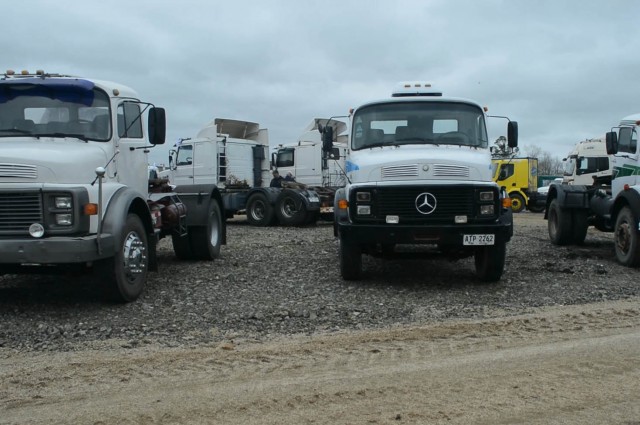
54	110
433	123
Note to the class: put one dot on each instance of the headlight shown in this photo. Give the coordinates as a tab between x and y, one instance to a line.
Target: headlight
364	210
63	202
486	196
486	209
64	219
363	196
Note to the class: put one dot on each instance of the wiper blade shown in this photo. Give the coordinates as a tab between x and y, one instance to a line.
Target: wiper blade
17	130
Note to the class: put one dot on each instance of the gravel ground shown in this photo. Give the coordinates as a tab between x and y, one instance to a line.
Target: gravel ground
273	282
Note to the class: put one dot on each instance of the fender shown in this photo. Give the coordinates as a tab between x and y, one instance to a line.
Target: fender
124	201
629	197
569	196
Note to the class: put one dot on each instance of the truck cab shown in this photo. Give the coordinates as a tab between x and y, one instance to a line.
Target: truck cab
419	172
588	162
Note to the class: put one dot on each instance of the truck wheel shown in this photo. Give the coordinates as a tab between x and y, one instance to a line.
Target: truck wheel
123	276
290	208
350	260
489	261
259	210
626	238
206	240
517	202
559	224
580	226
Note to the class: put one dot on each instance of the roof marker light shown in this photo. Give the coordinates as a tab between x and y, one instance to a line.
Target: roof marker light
25	72
10	72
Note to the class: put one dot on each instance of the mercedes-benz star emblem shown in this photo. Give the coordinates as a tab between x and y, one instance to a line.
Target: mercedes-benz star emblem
426	203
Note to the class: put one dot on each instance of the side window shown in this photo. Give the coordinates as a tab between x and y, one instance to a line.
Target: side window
506	171
627	140
185	155
129	120
285	158
444	126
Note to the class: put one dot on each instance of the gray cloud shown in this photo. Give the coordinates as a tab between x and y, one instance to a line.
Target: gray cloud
564	70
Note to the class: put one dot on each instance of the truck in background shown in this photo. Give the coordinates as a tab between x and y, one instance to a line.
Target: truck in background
234	155
519	177
573	208
419	173
588	162
320	170
75	191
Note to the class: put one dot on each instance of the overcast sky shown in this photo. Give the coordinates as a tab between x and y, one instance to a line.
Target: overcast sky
565	70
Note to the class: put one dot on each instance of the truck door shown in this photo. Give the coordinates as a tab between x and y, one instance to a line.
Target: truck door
131	163
625	162
308	161
204	163
183	173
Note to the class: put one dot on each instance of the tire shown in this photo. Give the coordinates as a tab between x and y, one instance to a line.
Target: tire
350	260
517	202
536	209
580	220
259	211
290	208
626	238
123	277
489	261
206	240
559	224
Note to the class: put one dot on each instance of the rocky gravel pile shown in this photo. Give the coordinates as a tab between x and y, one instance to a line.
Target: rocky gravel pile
279	281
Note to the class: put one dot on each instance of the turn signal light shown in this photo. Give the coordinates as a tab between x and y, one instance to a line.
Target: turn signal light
343	204
90	209
506	202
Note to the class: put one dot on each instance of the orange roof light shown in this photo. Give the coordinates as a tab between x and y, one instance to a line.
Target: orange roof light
343	204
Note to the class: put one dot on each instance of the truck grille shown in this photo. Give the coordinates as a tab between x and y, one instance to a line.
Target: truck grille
401	201
18	211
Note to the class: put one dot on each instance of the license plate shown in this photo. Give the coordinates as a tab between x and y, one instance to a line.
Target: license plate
314	199
479	239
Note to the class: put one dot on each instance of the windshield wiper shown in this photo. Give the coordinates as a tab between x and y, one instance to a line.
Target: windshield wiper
17	130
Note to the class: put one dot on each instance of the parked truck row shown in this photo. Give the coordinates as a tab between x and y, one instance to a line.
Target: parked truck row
234	156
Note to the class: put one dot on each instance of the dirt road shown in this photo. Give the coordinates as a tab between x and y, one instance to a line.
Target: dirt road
560	365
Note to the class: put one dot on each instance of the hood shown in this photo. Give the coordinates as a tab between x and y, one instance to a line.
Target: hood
48	160
412	162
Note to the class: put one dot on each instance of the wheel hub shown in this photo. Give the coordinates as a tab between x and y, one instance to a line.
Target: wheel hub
135	256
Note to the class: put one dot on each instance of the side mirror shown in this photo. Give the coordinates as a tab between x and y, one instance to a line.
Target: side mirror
157	126
327	139
512	134
611	141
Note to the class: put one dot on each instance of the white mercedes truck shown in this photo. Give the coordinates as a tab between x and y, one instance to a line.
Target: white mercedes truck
418	172
75	190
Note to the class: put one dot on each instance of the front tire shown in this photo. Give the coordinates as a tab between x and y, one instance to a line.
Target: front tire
626	238
517	202
350	260
489	261
559	225
123	276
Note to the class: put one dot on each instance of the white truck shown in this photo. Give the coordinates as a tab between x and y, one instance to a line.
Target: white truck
588	160
312	166
419	173
75	191
572	208
234	156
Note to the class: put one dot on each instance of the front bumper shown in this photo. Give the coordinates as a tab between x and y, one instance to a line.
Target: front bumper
444	235
56	250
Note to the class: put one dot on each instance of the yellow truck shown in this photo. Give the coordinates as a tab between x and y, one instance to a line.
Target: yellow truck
519	177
